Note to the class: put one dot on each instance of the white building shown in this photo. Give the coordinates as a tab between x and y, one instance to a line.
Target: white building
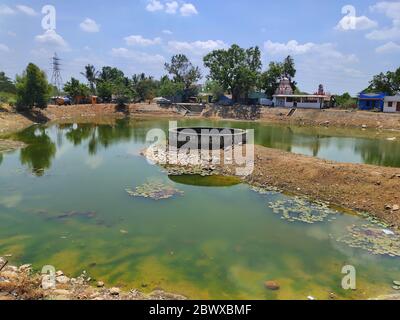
309	101
392	104
284	97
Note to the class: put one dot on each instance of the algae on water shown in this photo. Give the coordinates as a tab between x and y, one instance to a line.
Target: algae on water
301	210
372	238
155	191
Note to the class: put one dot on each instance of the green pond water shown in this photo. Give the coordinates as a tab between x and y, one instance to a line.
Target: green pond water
63	202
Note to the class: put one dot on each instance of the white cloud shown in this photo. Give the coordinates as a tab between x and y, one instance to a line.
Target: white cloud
51	38
6	10
154	5
138	40
386	33
27	10
292	47
390	9
319	63
389	47
4	48
171	7
326	50
196	47
137	56
89	25
356	23
168	32
188	9
11	34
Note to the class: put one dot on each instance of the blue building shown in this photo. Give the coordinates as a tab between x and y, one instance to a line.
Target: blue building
371	101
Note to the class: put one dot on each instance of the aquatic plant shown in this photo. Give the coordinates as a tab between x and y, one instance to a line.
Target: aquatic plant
301	210
264	190
372	238
155	191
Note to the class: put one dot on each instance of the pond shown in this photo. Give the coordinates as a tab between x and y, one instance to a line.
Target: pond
64	202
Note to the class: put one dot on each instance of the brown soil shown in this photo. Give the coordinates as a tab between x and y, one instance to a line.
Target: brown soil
359	187
56	113
332	117
11	121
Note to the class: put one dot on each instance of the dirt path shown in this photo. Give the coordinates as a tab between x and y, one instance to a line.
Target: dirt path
360	187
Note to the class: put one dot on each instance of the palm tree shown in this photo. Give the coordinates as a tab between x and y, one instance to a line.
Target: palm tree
91	74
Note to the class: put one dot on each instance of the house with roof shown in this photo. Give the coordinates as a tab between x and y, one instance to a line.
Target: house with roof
286	98
371	101
392	104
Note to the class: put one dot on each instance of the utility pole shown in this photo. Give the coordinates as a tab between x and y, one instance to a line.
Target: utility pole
56	79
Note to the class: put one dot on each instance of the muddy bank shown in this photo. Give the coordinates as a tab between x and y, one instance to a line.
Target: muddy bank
23	283
359	187
332	118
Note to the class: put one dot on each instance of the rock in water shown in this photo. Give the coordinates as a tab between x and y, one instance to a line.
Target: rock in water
115	291
272	285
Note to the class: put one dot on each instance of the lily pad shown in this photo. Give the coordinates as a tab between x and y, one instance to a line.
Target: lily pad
373	239
301	210
155	191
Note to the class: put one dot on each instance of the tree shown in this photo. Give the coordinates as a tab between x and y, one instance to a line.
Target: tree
143	87
214	88
105	90
236	70
76	90
345	101
33	90
109	82
6	85
388	83
91	75
169	88
269	80
183	71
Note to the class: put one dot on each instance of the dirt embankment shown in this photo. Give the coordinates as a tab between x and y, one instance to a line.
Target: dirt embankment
360	187
56	113
332	117
21	283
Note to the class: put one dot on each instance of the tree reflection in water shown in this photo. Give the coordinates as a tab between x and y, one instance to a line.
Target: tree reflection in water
40	149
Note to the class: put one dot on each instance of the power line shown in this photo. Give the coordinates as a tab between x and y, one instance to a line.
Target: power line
56	78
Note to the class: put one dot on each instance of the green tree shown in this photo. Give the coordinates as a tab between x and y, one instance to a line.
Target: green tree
388	83
235	69
91	75
33	90
110	74
169	88
183	71
105	90
345	101
6	85
269	80
214	88
75	89
143	87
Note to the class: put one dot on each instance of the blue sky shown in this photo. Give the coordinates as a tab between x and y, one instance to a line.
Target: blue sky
340	51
